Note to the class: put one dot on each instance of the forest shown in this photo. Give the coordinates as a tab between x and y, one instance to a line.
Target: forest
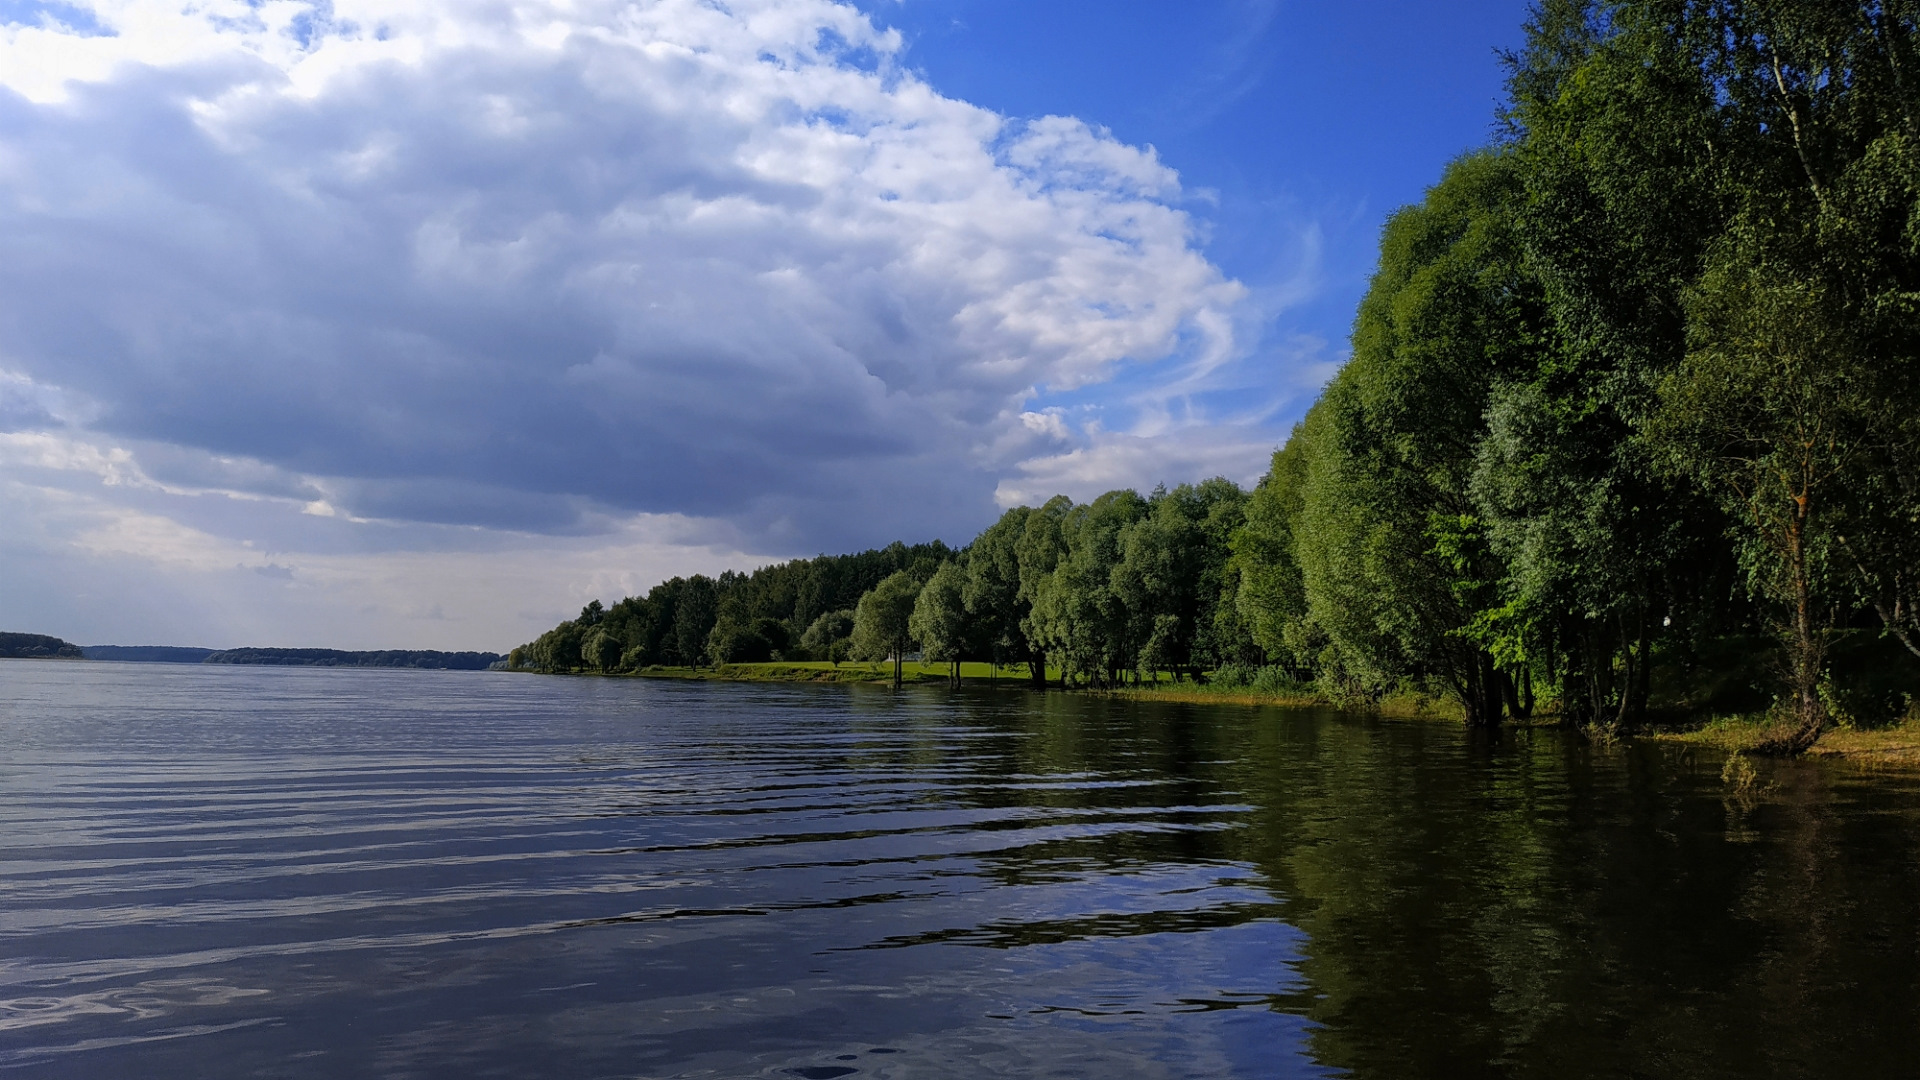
1632	413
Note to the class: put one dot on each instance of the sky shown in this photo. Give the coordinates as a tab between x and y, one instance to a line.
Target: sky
418	325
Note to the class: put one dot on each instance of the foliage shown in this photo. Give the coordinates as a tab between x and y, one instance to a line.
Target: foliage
36	646
882	621
1629	388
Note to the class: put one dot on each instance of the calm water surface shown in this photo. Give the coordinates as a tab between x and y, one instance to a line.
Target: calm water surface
221	872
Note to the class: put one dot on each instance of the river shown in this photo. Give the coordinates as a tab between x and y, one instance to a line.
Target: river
238	872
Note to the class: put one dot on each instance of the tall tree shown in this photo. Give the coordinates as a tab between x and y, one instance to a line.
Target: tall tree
994	597
1395	565
881	620
940	621
1272	595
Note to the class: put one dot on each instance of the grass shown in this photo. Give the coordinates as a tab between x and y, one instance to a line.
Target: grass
822	671
1727	688
1164	688
1896	744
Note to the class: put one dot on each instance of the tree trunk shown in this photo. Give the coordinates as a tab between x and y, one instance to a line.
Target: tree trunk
1518	694
1634	681
1037	668
1480	693
1806	643
1806	650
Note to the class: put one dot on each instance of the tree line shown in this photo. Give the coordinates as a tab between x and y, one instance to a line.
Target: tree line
1638	377
1641	377
1101	592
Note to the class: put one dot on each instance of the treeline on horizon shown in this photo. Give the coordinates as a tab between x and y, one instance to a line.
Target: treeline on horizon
1638	380
382	658
15	646
41	646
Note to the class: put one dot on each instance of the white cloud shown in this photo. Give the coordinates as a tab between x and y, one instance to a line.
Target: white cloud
1105	461
555	267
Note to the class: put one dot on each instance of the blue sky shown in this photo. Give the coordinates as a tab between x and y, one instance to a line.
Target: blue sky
369	324
1309	122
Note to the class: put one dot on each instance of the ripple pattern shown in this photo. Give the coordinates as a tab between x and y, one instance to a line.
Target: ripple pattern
320	873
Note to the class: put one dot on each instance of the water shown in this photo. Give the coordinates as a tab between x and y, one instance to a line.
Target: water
230	872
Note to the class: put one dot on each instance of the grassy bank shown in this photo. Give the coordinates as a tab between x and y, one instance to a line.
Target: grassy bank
821	671
1016	676
1897	743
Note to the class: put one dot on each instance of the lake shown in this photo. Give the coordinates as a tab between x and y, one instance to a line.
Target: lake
236	872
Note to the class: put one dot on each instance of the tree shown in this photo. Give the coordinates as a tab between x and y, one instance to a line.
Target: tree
695	613
1796	401
734	642
827	636
880	621
1037	553
1394	564
994	596
601	650
1774	412
1272	596
1617	146
940	621
1076	614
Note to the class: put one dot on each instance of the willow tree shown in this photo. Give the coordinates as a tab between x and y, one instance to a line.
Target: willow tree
1800	399
1394	563
1077	613
1618	147
939	620
881	620
994	597
1771	412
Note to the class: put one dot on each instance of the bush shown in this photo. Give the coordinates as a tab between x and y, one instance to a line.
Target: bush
1233	676
1274	680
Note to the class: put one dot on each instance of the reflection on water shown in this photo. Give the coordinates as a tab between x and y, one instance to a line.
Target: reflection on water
326	873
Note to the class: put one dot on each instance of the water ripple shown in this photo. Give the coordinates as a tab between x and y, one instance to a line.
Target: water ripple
635	878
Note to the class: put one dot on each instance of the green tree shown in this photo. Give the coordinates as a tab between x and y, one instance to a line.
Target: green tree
827	636
1076	615
600	651
880	620
695	612
1272	596
1037	553
1614	140
940	621
1774	412
994	595
1394	565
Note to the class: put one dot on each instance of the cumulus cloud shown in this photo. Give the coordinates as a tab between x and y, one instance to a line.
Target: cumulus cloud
665	256
550	267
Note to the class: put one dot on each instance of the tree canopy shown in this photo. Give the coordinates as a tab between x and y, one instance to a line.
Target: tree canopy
1637	380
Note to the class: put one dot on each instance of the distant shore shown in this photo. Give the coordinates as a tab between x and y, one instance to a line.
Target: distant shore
45	647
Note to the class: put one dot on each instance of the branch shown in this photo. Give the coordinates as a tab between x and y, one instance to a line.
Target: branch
1793	118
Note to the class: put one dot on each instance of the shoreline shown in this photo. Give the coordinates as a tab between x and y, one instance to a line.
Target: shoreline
1896	746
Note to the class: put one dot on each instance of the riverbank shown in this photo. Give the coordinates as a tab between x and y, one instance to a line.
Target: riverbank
1016	676
1897	745
821	671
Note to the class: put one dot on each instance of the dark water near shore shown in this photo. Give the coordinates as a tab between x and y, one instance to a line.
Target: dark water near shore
342	873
